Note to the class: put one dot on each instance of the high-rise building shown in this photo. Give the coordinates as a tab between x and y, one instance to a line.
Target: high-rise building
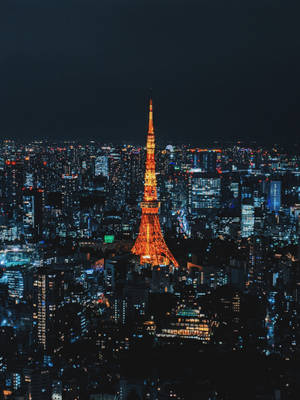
101	166
235	188
49	286
246	192
38	383
274	201
186	324
15	283
16	380
28	180
208	161
13	182
132	161
204	191
33	212
150	245
110	275
247	220
119	307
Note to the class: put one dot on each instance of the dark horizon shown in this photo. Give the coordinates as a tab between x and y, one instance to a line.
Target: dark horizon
78	69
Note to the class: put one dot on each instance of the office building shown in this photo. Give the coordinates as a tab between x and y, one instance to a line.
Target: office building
274	199
204	192
101	166
247	220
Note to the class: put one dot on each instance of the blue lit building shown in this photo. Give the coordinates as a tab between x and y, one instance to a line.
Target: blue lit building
274	200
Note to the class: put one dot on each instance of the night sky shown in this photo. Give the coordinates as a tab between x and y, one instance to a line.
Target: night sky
83	69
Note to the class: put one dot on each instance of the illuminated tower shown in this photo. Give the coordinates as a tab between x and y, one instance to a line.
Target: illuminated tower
274	201
150	244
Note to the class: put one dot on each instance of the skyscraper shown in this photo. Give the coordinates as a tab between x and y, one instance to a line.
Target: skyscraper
204	191
101	166
274	201
49	285
208	161
15	283
33	212
150	244
247	220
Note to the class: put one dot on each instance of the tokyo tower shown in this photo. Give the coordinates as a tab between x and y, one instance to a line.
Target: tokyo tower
150	244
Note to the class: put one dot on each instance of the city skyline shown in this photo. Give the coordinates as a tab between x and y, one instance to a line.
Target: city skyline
149	200
81	317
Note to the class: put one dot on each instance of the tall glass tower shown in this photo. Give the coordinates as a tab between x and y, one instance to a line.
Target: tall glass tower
274	200
247	220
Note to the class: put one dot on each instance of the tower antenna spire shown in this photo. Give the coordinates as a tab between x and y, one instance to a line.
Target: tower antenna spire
151	126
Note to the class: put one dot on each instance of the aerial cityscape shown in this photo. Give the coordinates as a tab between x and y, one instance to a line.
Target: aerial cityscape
149	200
123	267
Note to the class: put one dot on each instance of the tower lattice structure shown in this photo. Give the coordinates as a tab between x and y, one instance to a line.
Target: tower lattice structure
150	245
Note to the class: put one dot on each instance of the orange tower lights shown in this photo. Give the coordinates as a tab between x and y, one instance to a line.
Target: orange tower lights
150	245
